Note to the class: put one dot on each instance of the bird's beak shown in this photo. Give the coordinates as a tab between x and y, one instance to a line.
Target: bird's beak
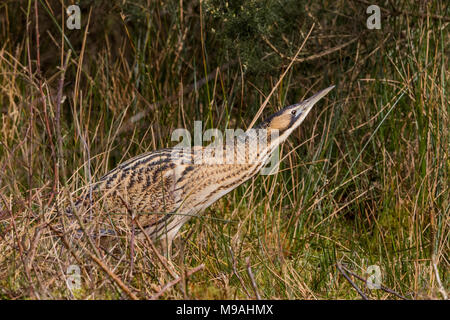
303	108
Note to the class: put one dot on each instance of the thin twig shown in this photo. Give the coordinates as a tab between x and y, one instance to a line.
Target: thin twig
32	250
438	278
311	57
133	221
58	117
83	227
87	165
114	277
236	273
152	246
65	243
386	289
351	282
252	279
281	78
175	281
132	244
158	255
44	101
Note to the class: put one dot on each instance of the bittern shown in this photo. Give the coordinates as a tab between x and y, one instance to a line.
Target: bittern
163	189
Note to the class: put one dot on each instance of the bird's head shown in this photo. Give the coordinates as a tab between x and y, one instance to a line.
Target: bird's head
289	118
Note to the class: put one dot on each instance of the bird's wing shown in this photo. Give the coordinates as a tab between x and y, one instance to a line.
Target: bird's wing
145	186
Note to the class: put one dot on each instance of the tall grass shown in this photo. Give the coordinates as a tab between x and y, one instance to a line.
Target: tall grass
363	182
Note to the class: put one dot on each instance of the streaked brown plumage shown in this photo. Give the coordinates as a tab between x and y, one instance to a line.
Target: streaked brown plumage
165	188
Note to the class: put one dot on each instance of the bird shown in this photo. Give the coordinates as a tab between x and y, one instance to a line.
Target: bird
164	189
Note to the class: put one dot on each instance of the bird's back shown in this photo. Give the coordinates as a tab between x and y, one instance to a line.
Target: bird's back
163	189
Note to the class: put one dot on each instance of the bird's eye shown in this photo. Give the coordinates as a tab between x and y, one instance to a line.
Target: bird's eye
293	112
